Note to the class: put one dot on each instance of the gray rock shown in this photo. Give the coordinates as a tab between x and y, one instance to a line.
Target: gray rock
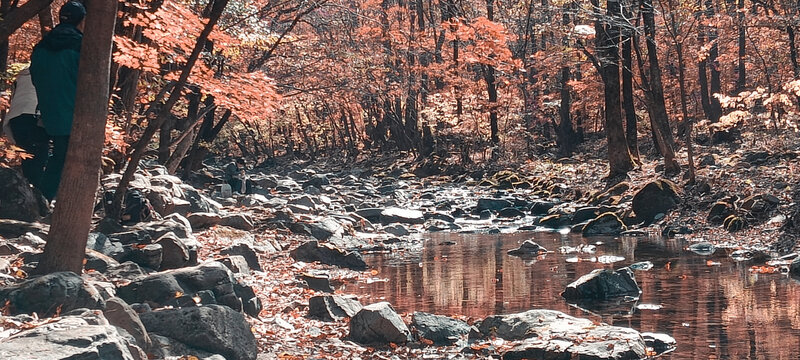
238	221
371	214
102	244
657	197
203	220
661	343
121	315
71	337
236	263
528	249
98	262
605	224
396	230
493	204
326	229
378	323
51	293
166	348
245	251
251	304
175	252
18	200
160	288
304	200
442	330
585	214
148	256
403	216
794	267
328	254
198	202
510	212
213	328
549	334
128	270
541	207
317	180
15	228
318	282
333	307
603	284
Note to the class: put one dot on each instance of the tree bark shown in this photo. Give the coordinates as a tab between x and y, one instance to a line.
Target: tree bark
631	127
46	20
741	78
19	16
619	158
659	117
66	241
793	52
566	138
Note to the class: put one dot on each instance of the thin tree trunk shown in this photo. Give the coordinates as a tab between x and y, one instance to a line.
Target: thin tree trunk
713	54
793	52
631	126
659	117
66	241
741	78
565	135
165	111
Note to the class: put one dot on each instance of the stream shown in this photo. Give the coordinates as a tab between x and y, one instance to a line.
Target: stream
713	306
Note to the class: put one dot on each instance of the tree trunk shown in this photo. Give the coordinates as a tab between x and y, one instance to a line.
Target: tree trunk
565	134
659	117
66	241
741	78
164	111
631	127
793	52
619	158
715	86
19	16
46	20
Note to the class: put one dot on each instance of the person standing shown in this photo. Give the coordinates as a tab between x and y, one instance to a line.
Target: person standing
22	127
54	71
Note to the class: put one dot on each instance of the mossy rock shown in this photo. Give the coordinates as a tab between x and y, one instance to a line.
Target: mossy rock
657	197
719	211
734	223
605	224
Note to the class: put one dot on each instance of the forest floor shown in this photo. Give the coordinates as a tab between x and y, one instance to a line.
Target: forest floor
761	161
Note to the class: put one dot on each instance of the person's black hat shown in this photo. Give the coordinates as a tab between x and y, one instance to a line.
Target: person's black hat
72	13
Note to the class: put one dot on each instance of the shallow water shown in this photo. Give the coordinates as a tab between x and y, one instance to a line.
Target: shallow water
717	310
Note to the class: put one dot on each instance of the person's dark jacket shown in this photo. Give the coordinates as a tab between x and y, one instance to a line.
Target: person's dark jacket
54	71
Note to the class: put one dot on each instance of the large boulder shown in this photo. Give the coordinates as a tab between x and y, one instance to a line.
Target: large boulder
18	200
203	220
657	197
213	328
550	334
71	337
603	284
334	307
605	224
326	229
238	221
50	294
163	288
528	249
442	330
328	254
379	324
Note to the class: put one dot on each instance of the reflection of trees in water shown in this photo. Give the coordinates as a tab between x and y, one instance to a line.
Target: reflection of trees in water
731	312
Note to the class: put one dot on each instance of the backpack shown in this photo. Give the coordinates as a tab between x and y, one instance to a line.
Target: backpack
136	207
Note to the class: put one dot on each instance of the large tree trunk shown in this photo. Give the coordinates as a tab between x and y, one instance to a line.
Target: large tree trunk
659	117
165	111
619	158
793	51
66	241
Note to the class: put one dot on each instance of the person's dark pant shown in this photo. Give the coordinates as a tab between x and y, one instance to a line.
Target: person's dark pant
55	165
35	141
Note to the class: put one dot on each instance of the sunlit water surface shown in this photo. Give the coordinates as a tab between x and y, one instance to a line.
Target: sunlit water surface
714	307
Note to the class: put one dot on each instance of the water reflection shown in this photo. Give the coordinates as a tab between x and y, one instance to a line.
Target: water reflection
714	312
